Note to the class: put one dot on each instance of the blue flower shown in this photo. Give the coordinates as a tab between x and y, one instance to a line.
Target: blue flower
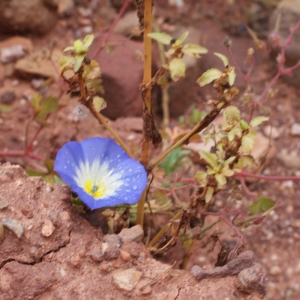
100	172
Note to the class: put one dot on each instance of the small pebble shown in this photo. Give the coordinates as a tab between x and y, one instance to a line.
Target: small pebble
37	83
75	261
15	82
127	279
275	270
295	130
12	53
271	131
84	21
48	228
134	233
15	226
125	256
8	97
87	29
3	203
96	256
84	12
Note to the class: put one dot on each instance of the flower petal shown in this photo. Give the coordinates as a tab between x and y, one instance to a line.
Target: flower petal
101	161
67	159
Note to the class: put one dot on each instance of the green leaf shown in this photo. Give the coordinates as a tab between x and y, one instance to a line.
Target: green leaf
49	164
236	131
48	106
209	76
79	47
177	68
78	61
193	50
258	120
223	58
209	194
210	158
261	206
232	114
172	162
162	80
99	103
182	38
244	125
5	108
88	40
161	37
229	160
31	172
244	161
201	178
231	76
221	179
70	48
247	143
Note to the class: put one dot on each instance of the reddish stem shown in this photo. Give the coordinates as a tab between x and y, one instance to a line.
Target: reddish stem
263	177
22	154
112	27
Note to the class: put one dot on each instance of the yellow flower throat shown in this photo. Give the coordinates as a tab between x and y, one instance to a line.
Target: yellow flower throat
97	190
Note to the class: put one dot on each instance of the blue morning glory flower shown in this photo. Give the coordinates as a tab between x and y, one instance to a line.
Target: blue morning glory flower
101	172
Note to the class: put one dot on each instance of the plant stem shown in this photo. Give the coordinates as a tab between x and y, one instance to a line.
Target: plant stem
21	154
197	128
104	122
263	177
147	107
112	27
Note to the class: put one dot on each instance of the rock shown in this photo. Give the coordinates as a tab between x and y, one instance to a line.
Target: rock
122	92
96	256
15	226
128	25
85	12
38	65
135	234
125	256
113	240
12	54
8	97
295	130
3	203
275	270
65	8
34	16
111	245
84	21
48	228
127	279
289	159
271	131
251	279
14	48
37	83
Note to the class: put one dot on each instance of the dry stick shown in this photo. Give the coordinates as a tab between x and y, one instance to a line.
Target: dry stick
147	108
104	122
197	128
